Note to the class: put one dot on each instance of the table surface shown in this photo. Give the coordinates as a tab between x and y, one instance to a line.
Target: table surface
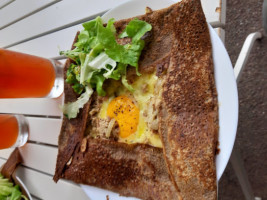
43	28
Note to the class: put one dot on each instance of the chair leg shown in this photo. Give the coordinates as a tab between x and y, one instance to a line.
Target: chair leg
235	159
245	51
238	166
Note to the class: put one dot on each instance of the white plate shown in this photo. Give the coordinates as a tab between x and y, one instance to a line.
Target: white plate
225	83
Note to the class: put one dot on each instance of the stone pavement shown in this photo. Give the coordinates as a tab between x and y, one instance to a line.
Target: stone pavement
244	17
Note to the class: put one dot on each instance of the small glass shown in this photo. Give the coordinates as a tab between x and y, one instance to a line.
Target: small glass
14	131
27	76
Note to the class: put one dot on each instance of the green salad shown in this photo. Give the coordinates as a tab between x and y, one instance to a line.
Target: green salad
9	191
98	57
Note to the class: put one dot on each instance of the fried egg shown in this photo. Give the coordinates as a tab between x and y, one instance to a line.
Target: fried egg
126	113
131	110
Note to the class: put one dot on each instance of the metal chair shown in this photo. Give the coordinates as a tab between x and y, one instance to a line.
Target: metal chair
236	161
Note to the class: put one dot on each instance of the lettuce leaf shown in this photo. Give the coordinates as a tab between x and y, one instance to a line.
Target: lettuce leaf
126	54
72	109
96	71
136	29
97	81
16	193
101	61
72	54
73	77
83	41
91	26
118	71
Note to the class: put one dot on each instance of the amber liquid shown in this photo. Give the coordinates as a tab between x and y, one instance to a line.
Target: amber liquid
8	131
23	75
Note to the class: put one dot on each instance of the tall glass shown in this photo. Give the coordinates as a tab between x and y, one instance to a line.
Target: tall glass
14	131
24	76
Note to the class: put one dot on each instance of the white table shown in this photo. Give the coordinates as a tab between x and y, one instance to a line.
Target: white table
43	28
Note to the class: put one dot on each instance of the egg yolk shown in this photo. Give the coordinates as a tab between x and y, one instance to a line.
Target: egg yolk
126	113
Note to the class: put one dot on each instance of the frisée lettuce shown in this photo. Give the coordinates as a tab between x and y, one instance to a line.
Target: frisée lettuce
9	191
97	56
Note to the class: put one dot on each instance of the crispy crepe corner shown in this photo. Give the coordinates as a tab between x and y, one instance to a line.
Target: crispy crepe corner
179	50
189	111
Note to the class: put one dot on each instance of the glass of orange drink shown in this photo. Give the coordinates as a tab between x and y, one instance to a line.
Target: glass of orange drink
27	76
14	131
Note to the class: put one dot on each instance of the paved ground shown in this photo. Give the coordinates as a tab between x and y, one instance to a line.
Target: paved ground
242	18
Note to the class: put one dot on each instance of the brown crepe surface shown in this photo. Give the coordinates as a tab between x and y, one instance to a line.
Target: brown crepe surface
189	113
179	49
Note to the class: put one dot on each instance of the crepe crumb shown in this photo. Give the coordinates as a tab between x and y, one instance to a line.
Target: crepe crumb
69	162
83	145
